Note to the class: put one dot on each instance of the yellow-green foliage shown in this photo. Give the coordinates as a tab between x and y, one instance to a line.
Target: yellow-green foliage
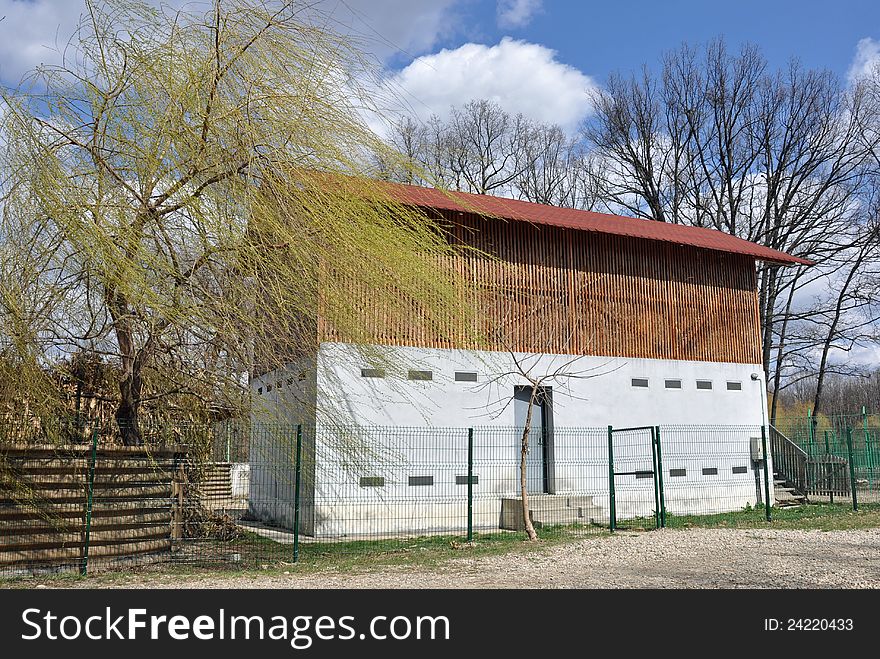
163	207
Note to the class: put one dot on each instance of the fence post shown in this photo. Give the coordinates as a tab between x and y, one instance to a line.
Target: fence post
869	462
296	493
829	470
470	486
656	483
811	429
612	513
660	479
84	568
767	513
852	469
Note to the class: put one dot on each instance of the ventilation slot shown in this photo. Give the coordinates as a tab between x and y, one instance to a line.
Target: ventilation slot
372	481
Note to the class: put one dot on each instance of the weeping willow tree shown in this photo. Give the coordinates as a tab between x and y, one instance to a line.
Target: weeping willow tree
175	190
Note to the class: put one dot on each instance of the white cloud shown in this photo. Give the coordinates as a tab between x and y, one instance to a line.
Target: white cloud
866	59
34	31
517	13
389	27
519	76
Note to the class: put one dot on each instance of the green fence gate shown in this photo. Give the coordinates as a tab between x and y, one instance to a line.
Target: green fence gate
635	478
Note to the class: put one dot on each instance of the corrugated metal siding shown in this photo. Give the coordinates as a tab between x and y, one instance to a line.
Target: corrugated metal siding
556	290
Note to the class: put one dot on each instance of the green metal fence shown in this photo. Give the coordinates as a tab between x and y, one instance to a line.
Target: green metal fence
832	435
241	495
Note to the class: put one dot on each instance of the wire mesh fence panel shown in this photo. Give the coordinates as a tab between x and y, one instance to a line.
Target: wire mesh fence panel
565	479
833	464
244	494
710	470
387	483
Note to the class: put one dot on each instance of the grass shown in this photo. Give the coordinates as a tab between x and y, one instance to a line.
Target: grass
254	553
364	555
822	517
257	554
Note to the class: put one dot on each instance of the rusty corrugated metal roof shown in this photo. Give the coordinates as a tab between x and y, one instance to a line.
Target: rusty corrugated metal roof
571	218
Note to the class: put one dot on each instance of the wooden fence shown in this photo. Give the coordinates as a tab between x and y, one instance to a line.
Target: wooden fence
136	507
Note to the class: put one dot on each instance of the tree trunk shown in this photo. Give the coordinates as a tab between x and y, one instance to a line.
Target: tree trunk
128	422
832	334
131	365
768	305
780	351
524	451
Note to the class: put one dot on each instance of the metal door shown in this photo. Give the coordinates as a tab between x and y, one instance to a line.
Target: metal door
536	459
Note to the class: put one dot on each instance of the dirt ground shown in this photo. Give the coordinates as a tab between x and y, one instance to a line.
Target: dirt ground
692	558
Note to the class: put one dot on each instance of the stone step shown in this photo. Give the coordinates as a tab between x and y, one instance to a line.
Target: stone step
567	516
551	509
788	497
540	502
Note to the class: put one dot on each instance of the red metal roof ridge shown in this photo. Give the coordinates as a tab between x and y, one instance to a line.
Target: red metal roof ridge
573	218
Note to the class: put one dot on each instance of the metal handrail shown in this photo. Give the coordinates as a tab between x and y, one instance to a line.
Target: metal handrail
789	461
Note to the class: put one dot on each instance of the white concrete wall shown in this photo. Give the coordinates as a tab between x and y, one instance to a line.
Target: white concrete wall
272	446
599	394
593	392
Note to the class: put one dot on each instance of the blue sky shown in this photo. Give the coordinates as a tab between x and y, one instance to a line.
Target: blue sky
538	57
600	37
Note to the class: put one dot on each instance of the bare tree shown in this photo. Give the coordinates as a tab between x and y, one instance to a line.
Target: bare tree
555	170
487	145
719	141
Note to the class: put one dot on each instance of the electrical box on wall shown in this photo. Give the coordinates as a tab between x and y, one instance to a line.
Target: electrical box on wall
757	448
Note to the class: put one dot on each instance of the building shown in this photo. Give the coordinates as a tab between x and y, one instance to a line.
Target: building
650	323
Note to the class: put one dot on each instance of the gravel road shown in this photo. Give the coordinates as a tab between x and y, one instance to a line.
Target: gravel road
692	558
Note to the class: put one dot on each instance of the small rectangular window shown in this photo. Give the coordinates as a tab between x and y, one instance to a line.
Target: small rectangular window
416	481
710	471
644	474
372	372
640	382
740	470
704	384
463	480
734	386
677	472
673	384
465	376
372	481
268	388
420	375
260	391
